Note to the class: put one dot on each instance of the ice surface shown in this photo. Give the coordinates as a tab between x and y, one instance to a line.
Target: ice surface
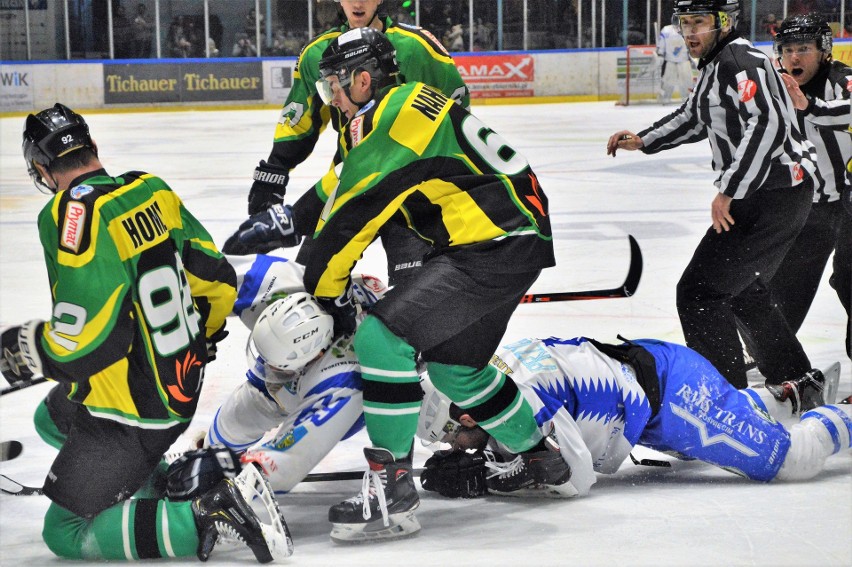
691	514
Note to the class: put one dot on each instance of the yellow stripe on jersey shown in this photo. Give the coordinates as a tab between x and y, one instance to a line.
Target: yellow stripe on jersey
430	48
140	229
351	253
110	390
335	201
465	222
420	117
62	344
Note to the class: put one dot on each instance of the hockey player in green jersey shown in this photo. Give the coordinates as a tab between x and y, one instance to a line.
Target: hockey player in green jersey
421	57
478	203
139	294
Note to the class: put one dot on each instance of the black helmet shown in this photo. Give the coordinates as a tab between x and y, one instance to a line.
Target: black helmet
804	28
360	49
50	134
725	11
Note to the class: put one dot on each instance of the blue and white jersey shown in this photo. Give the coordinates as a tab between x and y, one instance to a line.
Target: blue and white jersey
671	46
263	278
594	402
316	412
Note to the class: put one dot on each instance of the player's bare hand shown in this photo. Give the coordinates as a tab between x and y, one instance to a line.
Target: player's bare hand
800	101
720	210
623	140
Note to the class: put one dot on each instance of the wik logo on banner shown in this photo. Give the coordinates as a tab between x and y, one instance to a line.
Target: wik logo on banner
16	87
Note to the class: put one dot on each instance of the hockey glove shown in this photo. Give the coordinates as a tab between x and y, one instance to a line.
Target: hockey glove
198	471
213	342
20	360
269	187
271	229
342	310
455	474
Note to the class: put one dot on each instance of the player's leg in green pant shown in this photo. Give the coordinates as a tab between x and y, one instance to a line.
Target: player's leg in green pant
134	529
392	393
493	399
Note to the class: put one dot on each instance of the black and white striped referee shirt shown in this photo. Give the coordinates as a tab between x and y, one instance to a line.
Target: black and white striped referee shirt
826	124
741	105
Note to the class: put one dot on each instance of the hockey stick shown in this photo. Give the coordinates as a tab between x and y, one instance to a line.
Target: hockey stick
21	385
9	486
627	289
15	488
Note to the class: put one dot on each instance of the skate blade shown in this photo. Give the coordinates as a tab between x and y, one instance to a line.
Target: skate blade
402	525
832	379
560	491
256	490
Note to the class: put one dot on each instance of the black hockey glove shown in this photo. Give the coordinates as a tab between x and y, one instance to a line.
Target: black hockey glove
213	342
263	232
269	187
455	474
20	361
198	471
342	310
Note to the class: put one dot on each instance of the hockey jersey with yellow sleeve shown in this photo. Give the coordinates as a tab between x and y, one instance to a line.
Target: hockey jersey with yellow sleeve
459	185
137	285
420	55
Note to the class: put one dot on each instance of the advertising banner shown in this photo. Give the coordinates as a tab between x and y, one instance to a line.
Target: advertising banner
503	75
16	87
182	82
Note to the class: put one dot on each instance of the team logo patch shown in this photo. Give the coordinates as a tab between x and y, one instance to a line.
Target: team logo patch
747	89
72	229
81	191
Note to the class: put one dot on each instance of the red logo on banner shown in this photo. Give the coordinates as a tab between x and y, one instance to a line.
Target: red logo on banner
512	74
747	90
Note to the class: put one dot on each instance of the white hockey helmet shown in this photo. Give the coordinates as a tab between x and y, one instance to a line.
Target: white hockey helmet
435	424
289	334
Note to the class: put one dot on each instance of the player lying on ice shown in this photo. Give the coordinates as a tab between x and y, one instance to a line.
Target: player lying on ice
597	401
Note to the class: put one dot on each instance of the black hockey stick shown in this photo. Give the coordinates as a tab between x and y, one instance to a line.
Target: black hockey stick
9	486
627	289
15	488
23	384
344	475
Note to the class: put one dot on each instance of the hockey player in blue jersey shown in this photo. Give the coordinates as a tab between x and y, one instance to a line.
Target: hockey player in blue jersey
598	401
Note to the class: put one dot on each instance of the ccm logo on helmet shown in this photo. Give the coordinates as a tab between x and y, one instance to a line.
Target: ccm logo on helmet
307	335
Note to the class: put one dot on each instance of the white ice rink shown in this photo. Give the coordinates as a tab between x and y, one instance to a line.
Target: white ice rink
689	515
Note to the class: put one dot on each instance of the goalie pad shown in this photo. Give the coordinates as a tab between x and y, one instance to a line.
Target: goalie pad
196	472
455	474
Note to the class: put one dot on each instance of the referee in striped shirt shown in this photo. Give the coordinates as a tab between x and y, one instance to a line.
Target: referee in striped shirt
765	186
818	87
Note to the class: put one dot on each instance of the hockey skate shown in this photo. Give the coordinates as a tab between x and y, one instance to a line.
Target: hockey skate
540	473
384	509
812	390
227	513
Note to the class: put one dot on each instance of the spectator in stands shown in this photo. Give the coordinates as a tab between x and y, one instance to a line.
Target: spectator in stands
243	46
453	38
121	34
770	26
179	44
142	32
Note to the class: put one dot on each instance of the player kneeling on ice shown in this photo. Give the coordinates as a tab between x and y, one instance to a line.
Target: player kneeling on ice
596	401
140	294
302	382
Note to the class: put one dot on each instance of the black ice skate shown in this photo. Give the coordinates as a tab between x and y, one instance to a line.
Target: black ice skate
224	514
384	509
540	472
805	393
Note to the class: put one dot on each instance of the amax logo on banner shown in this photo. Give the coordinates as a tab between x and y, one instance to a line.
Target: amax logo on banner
490	76
182	82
